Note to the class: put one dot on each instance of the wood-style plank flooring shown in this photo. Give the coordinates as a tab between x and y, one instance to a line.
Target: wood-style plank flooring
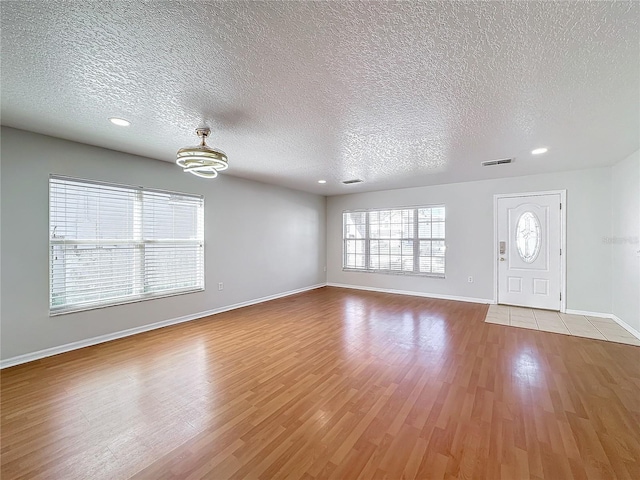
332	383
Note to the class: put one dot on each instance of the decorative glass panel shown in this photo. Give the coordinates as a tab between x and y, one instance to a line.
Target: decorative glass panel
528	237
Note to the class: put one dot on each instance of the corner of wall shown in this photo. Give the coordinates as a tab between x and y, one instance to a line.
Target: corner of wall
624	242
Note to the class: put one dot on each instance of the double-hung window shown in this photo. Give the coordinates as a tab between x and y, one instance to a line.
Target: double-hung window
399	240
111	244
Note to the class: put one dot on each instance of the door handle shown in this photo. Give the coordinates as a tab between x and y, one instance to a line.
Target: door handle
502	259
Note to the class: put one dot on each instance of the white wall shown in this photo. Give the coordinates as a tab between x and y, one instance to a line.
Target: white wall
260	240
470	233
625	240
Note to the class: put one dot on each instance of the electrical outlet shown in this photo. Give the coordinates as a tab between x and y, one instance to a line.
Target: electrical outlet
220	286
470	279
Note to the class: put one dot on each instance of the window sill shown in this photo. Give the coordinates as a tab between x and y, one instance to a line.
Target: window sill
151	296
393	272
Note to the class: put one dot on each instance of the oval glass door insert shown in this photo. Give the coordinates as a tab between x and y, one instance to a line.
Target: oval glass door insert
528	237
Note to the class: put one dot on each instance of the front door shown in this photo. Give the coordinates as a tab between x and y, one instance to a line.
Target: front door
529	243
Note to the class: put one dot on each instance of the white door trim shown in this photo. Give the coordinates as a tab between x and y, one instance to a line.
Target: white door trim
563	240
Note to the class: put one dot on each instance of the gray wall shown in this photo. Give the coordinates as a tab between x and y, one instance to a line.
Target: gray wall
263	240
470	231
260	240
625	241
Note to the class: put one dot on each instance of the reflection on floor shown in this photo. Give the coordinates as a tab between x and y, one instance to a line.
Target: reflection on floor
548	321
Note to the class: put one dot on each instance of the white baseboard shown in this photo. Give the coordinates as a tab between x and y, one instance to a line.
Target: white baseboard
412	293
626	326
48	352
570	311
613	317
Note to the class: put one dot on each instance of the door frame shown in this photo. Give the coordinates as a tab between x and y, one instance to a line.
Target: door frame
563	240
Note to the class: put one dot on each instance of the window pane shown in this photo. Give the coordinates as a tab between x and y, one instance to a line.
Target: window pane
407	264
438	248
168	267
356	218
437	265
90	273
407	230
424	230
355	246
437	214
167	216
437	229
425	264
89	212
425	248
424	214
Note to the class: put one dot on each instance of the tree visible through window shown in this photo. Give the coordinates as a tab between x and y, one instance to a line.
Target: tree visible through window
403	240
112	244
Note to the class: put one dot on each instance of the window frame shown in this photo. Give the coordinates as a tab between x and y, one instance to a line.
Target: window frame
138	245
416	242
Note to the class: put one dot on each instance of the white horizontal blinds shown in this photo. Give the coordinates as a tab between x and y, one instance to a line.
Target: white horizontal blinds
112	244
391	235
401	240
173	233
431	226
354	238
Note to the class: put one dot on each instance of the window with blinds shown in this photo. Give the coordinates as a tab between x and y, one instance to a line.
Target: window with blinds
112	244
401	240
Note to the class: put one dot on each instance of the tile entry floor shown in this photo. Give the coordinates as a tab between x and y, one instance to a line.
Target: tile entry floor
549	321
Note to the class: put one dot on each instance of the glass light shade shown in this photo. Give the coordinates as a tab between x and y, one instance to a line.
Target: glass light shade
202	171
202	160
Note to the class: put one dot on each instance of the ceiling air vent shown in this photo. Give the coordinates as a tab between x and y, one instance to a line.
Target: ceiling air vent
489	163
349	182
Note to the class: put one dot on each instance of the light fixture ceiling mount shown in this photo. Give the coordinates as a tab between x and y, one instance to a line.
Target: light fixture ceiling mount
202	160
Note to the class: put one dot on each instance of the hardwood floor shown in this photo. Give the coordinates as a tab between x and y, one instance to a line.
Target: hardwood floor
331	383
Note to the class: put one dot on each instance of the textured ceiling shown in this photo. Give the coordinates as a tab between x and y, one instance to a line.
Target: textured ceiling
397	94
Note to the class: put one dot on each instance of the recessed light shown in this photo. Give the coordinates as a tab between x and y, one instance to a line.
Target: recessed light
322	181
121	122
539	151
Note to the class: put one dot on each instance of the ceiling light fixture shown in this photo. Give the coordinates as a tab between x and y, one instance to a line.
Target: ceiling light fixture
121	122
539	151
322	181
202	160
